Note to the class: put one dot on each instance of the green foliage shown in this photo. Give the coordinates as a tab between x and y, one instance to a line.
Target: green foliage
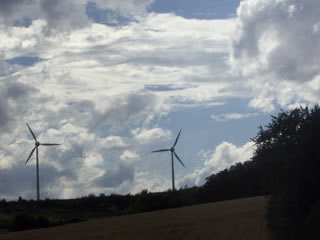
288	154
240	180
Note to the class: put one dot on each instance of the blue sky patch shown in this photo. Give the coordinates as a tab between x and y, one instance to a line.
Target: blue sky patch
162	88
24	60
24	22
201	9
106	16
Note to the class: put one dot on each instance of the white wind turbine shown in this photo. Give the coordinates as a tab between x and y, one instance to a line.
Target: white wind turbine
173	153
37	144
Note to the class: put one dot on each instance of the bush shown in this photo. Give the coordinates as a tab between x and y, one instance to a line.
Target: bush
25	221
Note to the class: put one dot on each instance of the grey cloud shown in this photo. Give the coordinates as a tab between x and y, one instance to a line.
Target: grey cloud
14	99
120	112
81	112
60	14
124	109
12	5
63	14
278	37
113	178
21	180
17	90
10	8
71	159
5	115
11	11
178	56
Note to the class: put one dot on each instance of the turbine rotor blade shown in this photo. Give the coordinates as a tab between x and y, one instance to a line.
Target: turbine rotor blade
161	150
34	136
179	159
175	142
49	144
30	154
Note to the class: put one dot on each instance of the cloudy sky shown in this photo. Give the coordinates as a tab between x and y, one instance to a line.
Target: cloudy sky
113	81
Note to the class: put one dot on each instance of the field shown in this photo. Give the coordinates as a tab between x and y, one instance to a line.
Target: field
238	219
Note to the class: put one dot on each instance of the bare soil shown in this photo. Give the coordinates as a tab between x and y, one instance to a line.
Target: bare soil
240	219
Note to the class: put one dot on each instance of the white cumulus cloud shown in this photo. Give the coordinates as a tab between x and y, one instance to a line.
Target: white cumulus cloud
232	116
149	135
224	155
276	49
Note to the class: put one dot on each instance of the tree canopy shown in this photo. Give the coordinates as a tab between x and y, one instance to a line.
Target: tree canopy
288	153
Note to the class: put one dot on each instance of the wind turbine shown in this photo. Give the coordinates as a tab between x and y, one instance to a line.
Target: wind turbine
173	153
37	144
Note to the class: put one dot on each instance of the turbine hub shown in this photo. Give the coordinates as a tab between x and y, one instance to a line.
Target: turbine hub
172	149
37	144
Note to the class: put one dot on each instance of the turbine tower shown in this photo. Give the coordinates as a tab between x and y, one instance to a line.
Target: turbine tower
173	153
37	144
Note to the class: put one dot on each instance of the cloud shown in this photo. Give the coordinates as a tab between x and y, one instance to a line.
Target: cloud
89	93
11	9
129	156
151	182
63	15
224	155
278	38
69	159
112	142
114	178
149	135
14	98
21	42
274	52
60	14
123	110
227	154
84	60
20	180
232	116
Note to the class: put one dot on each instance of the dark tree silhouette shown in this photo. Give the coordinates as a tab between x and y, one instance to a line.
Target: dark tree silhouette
240	180
288	153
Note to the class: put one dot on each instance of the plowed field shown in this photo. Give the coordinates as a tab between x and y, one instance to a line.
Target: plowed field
238	219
